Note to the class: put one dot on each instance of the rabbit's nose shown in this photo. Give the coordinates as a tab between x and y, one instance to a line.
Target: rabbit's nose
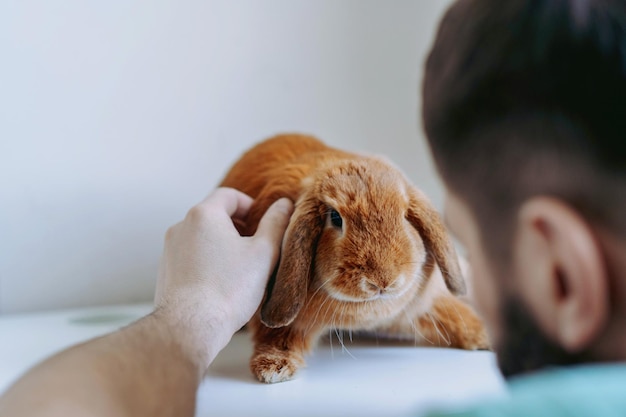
383	286
371	286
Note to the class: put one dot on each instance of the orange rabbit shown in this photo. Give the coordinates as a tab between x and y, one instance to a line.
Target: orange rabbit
364	250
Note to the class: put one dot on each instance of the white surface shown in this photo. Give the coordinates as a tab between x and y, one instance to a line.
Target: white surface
374	379
117	116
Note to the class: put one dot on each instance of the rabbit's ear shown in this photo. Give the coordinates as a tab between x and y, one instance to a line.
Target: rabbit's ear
423	216
287	290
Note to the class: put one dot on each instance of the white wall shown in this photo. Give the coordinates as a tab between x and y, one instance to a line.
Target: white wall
117	116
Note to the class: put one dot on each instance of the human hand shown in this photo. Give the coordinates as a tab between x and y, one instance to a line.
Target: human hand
212	279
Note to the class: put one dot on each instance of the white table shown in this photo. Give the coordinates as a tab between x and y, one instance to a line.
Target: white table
369	379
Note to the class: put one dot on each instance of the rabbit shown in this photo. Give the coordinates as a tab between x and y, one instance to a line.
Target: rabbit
364	251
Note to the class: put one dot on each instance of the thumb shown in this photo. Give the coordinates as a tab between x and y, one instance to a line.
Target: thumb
274	222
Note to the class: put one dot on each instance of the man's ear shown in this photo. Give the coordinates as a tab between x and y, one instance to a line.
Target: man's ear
560	272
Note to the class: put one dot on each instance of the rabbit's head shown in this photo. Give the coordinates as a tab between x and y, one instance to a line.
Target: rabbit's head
359	233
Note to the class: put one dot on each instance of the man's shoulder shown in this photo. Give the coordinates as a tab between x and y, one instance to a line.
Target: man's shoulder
590	390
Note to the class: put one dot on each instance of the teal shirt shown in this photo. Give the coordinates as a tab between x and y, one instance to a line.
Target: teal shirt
590	390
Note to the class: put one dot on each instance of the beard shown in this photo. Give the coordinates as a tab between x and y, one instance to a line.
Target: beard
524	347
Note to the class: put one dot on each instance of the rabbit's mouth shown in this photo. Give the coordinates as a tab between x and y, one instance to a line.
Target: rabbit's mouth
351	299
369	293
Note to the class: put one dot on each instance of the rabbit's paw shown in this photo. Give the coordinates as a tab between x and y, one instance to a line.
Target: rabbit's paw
454	323
273	365
475	338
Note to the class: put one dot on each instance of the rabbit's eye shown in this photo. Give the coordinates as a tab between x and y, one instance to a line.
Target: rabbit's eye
335	219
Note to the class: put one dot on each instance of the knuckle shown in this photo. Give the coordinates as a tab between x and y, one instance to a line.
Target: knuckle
172	233
225	192
198	214
169	234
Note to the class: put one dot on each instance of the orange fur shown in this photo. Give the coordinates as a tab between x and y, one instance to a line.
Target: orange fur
383	271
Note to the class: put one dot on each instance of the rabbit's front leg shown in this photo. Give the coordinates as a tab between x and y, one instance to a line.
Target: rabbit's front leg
453	323
449	322
278	353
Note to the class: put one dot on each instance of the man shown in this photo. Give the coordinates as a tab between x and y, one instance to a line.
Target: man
525	112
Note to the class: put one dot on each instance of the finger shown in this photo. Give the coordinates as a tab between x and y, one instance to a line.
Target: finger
234	202
274	222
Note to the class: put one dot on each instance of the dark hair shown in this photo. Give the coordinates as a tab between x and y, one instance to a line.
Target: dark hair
528	97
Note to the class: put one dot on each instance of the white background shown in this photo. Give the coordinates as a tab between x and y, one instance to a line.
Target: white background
117	116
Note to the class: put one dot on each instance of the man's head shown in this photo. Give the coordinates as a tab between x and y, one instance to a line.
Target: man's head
525	112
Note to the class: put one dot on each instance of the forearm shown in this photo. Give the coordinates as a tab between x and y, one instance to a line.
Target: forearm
142	370
211	281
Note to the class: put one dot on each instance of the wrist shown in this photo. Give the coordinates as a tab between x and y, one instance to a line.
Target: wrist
200	332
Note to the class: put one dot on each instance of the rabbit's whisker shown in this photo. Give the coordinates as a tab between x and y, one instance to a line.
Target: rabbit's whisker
440	335
345	349
330	336
322	286
444	327
314	321
410	263
416	330
339	332
327	312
